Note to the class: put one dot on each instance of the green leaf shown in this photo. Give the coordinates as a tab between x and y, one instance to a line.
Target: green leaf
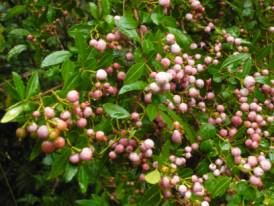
105	60
70	172
130	33
67	70
127	22
12	112
71	83
235	59
139	85
15	11
246	67
105	6
134	73
163	157
54	58
183	39
263	80
207	131
147	46
16	50
151	111
96	200
259	95
33	85
166	119
83	177
151	197
19	84
115	111
217	186
93	10
59	163
153	177
127	25
190	133
19	32
51	14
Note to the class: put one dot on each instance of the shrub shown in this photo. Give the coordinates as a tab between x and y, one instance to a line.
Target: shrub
144	102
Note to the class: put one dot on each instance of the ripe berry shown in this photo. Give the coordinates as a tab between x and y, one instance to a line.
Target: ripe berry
59	142
74	159
47	147
21	132
73	96
43	132
101	74
86	154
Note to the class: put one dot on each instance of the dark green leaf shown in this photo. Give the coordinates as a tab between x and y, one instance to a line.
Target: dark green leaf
235	59
217	186
151	197
134	73
183	39
59	163
163	157
263	80
127	22
33	85
139	85
115	111
15	11
67	70
151	112
19	84
166	119
83	177
207	131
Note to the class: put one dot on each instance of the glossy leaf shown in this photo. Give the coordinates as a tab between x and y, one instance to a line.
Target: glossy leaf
54	58
139	85
115	111
134	73
151	111
12	112
19	84
33	85
16	50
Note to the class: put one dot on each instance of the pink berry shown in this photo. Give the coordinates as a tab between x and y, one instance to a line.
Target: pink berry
265	164
236	151
73	96
82	122
101	74
43	132
164	3
47	147
86	154
176	137
49	112
74	159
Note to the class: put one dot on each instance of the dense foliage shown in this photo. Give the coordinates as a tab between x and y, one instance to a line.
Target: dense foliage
142	102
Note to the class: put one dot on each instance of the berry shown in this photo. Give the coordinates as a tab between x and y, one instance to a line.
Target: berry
43	132
72	96
47	147
86	154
